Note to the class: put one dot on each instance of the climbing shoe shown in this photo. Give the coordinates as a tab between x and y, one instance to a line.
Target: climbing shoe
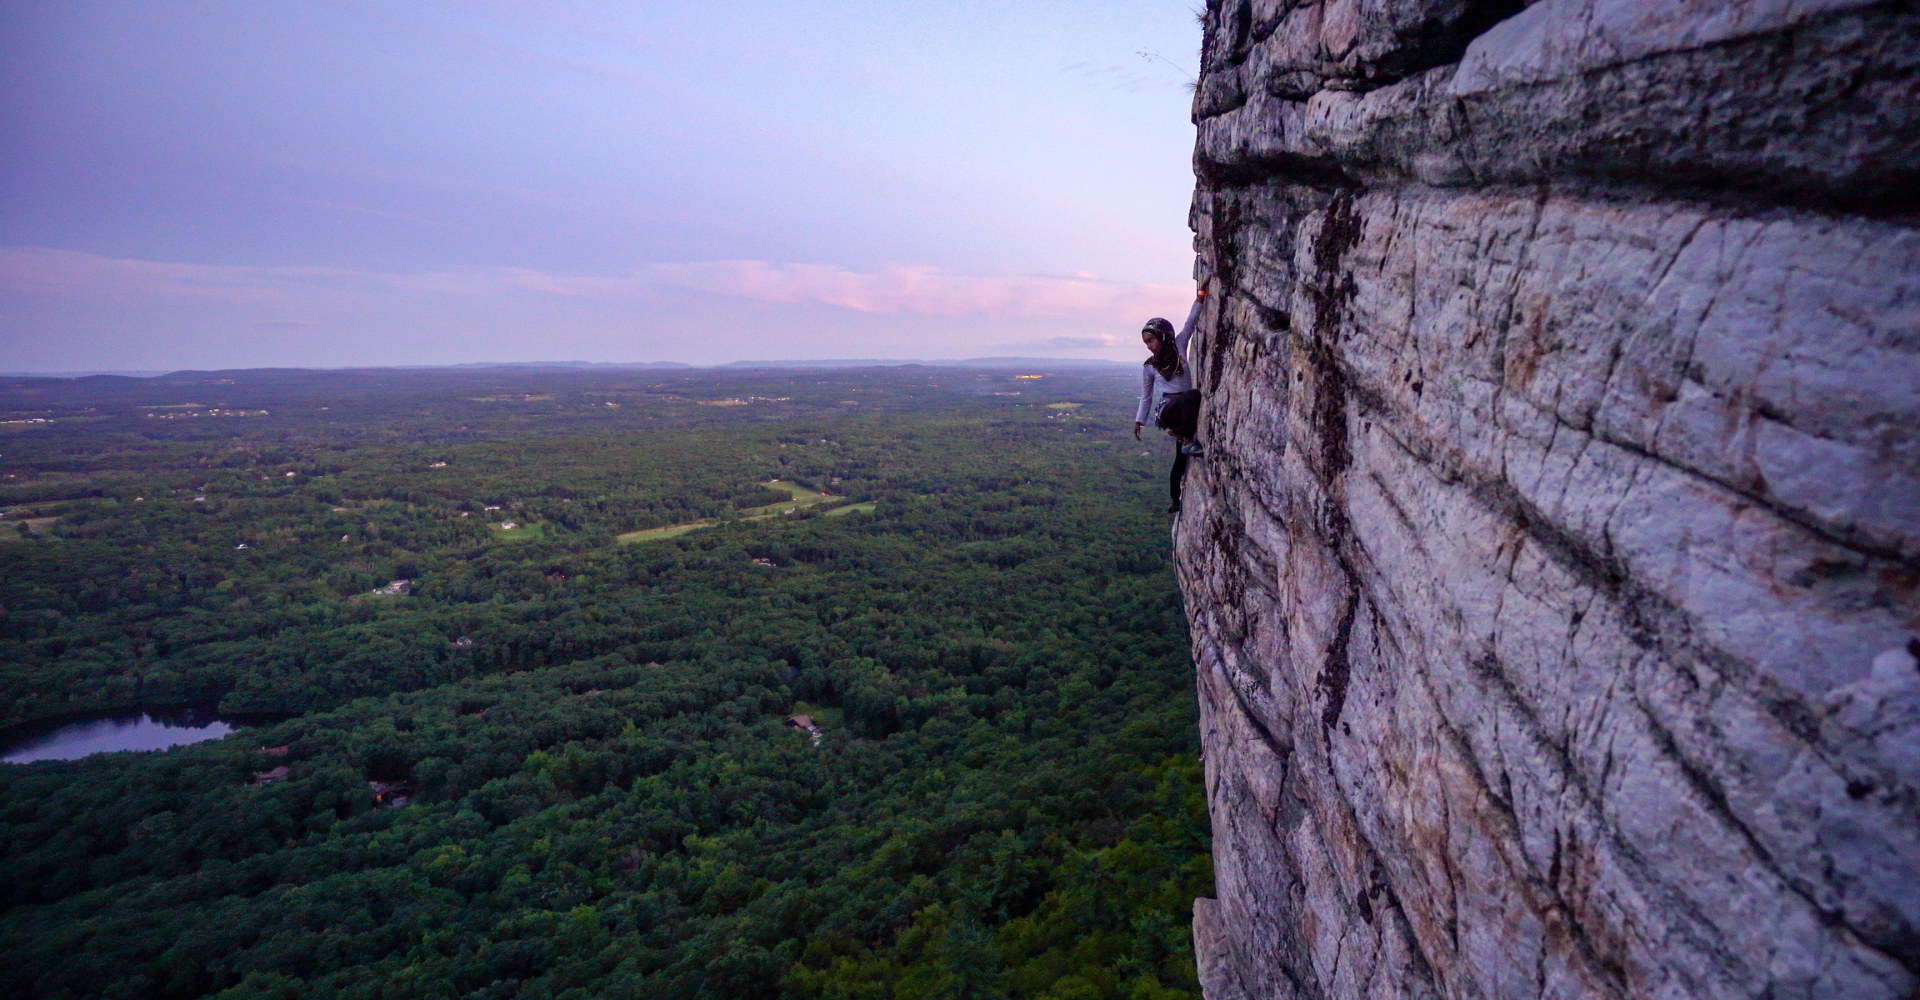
1174	507
1193	450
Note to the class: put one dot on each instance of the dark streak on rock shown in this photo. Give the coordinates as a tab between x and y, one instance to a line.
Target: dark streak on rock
1279	168
1437	41
1281	749
1337	672
1222	340
1339	233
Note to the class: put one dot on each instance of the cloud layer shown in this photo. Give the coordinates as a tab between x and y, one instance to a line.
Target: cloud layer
50	294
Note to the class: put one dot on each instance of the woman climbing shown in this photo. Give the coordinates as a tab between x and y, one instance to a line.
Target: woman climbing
1167	396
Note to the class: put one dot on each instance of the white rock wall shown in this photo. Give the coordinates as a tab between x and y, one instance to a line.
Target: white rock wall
1555	570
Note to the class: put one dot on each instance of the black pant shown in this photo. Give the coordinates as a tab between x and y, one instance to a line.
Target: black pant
1180	414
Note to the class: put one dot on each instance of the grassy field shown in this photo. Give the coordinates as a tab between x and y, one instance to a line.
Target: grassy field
852	508
520	533
802	497
10	529
670	531
800	493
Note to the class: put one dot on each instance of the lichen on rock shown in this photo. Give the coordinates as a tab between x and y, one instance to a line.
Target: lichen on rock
1559	535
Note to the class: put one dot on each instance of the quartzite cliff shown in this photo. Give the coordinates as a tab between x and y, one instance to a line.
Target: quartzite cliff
1553	569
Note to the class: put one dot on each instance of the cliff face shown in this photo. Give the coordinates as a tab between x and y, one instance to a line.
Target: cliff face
1554	573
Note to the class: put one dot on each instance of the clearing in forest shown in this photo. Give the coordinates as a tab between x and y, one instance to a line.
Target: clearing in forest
10	530
803	496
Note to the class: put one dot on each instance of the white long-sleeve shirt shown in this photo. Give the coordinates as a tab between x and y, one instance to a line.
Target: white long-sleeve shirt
1154	386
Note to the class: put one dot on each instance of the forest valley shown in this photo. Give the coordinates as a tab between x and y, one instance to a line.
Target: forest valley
958	575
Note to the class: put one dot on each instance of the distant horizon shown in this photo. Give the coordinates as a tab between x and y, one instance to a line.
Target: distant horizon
978	362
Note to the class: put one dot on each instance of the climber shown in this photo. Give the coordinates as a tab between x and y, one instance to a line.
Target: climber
1167	396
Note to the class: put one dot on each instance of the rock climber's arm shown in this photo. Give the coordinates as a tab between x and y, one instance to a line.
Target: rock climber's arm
1186	329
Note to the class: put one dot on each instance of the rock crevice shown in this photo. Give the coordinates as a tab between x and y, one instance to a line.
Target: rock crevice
1554	572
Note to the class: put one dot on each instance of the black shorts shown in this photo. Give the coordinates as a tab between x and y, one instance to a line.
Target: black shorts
1180	413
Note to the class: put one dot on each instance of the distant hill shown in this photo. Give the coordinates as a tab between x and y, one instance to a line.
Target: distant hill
966	363
1053	363
534	364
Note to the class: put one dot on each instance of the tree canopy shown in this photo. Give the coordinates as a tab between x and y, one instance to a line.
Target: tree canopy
604	797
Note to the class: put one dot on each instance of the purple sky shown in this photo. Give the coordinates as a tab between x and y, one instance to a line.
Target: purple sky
218	185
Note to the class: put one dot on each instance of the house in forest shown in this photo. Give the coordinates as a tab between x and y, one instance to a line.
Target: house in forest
391	796
804	722
279	751
269	777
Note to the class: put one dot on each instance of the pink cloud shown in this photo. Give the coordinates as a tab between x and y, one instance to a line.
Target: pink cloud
67	272
897	290
927	291
64	272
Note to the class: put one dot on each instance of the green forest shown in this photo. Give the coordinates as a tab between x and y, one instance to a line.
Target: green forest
457	582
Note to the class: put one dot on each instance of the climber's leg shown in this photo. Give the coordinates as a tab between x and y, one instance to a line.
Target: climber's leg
1173	479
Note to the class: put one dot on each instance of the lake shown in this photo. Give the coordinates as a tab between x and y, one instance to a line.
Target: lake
155	729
